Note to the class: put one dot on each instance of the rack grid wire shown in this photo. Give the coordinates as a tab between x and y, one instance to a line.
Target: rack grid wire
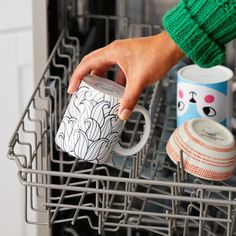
145	192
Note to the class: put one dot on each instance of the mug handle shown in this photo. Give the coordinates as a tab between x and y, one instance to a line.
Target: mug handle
147	129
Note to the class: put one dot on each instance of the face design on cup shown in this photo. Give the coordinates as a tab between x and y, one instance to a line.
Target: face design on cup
90	133
199	101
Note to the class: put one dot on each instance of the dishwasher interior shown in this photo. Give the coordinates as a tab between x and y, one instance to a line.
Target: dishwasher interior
144	194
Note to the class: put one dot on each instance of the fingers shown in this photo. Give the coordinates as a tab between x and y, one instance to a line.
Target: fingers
82	69
98	72
129	100
97	62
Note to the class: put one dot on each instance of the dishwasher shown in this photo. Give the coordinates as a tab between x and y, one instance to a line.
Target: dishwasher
144	194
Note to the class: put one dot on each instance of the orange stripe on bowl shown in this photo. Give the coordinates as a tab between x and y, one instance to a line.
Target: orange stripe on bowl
202	157
195	170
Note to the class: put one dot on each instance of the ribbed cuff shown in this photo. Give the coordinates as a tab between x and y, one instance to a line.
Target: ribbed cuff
191	38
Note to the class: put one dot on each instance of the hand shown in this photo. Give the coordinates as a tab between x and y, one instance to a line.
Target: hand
142	62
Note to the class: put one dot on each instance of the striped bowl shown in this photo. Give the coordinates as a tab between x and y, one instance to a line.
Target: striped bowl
209	150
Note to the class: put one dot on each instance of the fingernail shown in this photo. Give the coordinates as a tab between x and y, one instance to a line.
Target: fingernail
124	114
69	90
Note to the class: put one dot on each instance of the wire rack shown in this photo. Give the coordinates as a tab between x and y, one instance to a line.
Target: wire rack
141	193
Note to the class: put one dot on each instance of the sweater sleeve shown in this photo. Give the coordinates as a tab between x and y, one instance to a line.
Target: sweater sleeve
201	28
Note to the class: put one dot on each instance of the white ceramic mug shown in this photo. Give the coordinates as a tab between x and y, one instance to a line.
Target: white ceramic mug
205	93
90	128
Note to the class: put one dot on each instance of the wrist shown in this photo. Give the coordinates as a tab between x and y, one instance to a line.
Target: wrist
175	53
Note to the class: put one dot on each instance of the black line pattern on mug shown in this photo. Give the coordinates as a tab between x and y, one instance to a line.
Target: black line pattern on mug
90	134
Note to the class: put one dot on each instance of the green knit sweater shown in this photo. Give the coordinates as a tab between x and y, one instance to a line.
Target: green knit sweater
201	28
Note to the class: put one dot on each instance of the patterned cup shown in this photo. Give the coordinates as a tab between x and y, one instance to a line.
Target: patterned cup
90	128
208	149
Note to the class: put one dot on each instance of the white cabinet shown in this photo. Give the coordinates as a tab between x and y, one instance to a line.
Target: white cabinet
16	85
15	15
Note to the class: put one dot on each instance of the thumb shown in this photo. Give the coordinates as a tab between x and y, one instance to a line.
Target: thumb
129	100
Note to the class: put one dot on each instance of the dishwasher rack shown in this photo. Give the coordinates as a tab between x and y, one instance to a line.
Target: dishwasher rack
144	193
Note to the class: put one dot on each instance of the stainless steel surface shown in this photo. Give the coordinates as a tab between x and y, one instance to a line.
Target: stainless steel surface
146	192
144	11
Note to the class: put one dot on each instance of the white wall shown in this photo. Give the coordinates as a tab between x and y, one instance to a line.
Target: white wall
16	85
